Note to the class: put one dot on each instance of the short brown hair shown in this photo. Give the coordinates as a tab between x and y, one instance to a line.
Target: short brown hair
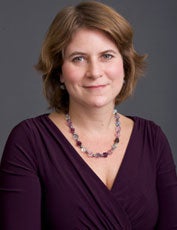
91	15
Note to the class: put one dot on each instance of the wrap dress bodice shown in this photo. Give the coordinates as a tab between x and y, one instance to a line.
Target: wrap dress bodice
45	184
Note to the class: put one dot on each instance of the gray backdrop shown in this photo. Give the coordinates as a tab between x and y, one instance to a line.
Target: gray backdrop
23	24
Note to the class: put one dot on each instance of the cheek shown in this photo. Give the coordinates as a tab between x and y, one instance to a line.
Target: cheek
117	72
69	74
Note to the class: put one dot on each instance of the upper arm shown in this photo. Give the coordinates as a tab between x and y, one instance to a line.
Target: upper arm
166	185
20	195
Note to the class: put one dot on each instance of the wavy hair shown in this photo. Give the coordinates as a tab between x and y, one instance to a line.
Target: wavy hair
91	15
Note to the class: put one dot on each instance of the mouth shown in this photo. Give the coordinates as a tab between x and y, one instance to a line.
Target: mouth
95	86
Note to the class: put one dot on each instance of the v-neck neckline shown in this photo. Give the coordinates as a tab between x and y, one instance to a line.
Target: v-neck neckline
83	164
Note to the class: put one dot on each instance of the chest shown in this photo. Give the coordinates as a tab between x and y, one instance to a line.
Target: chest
106	169
118	192
76	189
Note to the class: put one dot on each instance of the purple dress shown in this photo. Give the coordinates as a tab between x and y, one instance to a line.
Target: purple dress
45	184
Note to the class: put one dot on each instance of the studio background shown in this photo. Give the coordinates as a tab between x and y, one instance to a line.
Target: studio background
23	25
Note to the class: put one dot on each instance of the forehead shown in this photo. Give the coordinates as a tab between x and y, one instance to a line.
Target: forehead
84	39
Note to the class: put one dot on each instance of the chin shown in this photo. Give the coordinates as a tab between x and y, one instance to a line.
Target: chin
101	103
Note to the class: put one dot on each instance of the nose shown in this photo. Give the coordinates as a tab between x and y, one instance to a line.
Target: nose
94	70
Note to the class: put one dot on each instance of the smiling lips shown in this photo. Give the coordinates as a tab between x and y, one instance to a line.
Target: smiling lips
95	86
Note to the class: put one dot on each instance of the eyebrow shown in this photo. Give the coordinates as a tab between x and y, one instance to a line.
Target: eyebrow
75	53
109	51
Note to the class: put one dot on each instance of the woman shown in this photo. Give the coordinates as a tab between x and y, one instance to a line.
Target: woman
84	165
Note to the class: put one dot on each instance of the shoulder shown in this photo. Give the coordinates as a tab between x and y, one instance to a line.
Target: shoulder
147	132
140	125
150	130
146	126
143	122
153	134
22	140
148	136
24	132
29	124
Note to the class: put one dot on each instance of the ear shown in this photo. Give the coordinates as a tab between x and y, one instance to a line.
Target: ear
61	78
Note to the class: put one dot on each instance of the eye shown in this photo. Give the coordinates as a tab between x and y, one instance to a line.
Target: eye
78	59
107	56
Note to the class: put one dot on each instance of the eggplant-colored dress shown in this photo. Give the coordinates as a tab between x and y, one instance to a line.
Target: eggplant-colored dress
45	184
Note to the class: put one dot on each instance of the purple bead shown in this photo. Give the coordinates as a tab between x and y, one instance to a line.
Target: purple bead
105	154
79	143
116	140
72	130
89	153
69	123
118	129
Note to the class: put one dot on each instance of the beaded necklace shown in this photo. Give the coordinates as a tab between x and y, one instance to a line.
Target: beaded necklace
90	153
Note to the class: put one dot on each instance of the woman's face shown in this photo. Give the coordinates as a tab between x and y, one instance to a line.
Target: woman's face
92	69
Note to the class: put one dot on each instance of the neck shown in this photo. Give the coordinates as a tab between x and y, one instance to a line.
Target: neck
92	119
84	149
